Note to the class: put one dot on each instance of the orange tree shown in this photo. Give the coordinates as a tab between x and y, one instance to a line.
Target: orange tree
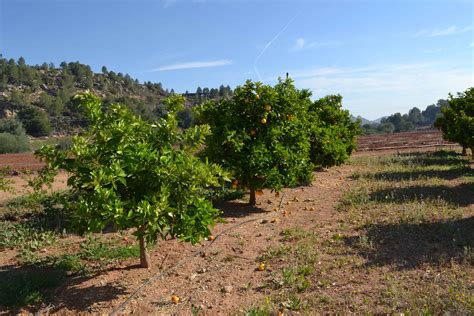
260	135
457	120
139	175
332	132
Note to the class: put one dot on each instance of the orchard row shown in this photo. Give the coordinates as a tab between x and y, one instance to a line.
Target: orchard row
154	177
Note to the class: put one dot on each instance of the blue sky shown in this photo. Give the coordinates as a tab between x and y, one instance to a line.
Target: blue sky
381	56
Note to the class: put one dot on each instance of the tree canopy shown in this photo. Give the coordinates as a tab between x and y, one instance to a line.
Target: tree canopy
139	175
260	135
457	120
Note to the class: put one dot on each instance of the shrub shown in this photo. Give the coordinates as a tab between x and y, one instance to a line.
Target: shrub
35	121
11	126
457	120
139	175
260	135
10	143
332	132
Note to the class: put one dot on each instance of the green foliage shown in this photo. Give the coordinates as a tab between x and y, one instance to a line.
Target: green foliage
25	235
333	133
10	143
407	122
5	183
35	121
12	136
138	175
259	134
97	250
457	122
28	285
11	126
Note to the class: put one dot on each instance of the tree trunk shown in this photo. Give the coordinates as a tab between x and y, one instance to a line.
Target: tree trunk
472	152
464	151
253	199
144	255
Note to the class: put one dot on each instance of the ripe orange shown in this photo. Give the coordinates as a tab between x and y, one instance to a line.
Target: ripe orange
268	108
175	299
211	237
261	266
259	192
263	121
257	96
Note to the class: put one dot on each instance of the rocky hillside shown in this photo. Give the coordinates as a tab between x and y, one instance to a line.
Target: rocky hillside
48	89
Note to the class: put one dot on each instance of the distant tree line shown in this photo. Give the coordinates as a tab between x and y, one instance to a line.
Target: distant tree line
414	119
204	94
39	97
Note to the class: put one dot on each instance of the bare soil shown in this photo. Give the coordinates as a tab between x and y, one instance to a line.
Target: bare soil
220	276
402	141
215	279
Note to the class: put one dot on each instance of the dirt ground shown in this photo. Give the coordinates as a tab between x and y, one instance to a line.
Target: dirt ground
215	279
218	277
20	186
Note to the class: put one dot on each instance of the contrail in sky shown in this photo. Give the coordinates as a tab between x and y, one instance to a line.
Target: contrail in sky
268	45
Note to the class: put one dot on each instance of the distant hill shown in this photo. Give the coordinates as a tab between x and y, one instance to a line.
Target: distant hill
379	119
46	91
362	119
415	119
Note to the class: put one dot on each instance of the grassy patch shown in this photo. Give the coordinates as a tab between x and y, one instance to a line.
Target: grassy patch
38	227
62	142
403	241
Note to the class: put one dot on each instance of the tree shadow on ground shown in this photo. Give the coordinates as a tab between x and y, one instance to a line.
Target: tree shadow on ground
237	209
34	285
459	195
422	174
409	245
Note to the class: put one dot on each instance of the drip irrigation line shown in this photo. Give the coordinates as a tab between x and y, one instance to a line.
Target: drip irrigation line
180	263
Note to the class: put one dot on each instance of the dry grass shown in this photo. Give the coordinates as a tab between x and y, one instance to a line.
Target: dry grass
403	241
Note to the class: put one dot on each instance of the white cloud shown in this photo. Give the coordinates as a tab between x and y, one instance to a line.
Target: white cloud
451	30
302	43
299	44
376	90
194	64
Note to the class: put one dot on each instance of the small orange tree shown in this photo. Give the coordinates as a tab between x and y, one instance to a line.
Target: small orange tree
457	120
138	175
332	132
260	135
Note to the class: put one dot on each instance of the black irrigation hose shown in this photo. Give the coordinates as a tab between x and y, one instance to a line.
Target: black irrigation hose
159	275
